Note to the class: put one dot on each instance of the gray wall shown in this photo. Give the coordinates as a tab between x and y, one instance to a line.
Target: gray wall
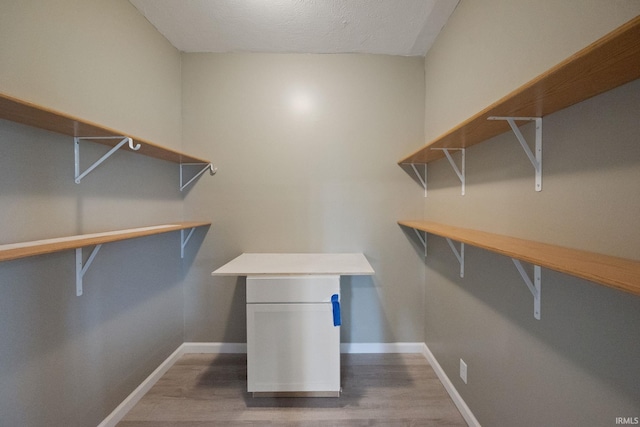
98	60
67	360
318	177
578	365
314	178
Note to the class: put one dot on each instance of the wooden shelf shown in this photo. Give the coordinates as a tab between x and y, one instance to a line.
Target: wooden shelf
39	247
19	111
618	273
605	64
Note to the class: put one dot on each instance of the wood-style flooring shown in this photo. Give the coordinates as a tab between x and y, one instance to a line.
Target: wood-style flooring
377	390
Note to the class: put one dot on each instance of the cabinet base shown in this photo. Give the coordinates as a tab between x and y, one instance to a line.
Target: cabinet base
296	394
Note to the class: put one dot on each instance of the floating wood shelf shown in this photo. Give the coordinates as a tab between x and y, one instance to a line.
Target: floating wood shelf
40	247
604	65
19	111
618	273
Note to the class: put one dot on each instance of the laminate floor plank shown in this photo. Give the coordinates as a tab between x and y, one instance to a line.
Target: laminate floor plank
380	390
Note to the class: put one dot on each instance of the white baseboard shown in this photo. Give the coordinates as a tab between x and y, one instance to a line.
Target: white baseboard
448	385
381	347
212	347
369	347
121	410
188	347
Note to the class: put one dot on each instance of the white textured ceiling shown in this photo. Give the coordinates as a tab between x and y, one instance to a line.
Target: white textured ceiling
393	27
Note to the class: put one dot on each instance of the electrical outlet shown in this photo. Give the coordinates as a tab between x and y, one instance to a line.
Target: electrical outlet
463	371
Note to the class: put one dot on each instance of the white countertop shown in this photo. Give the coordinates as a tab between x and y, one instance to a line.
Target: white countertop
352	264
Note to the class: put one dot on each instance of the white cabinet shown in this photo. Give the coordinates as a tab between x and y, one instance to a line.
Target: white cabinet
293	342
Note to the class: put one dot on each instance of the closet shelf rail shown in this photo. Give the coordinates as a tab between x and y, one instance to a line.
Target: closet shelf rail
76	151
208	167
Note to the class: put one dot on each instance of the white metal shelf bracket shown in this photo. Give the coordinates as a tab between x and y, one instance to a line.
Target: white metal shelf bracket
82	269
76	148
459	254
422	179
208	166
459	171
535	159
423	240
184	240
534	286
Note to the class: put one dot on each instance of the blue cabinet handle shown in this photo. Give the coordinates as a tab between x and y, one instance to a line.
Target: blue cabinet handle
335	301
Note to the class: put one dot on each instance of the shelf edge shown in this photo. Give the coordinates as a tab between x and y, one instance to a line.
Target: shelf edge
35	115
575	262
14	251
620	45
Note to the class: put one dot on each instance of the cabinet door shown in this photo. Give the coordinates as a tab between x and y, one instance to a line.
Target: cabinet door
292	347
